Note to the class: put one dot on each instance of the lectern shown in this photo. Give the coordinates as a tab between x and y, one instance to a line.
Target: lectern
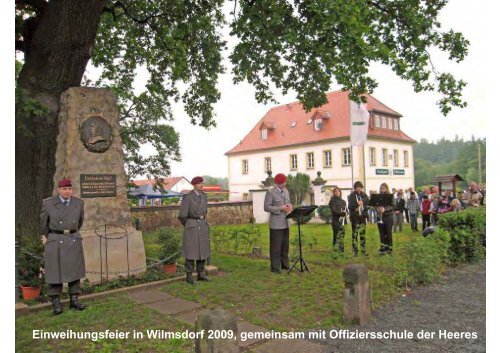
298	215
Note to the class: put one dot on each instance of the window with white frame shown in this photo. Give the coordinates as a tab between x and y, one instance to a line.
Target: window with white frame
293	162
267	164
389	123
310	160
384	156
244	166
396	158
263	134
396	124
346	156
373	156
377	121
384	122
327	159
405	158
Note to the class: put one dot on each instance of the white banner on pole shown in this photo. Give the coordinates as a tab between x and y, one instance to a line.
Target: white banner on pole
359	123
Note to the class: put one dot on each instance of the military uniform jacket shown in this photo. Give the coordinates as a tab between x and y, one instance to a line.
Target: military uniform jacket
196	237
64	261
273	203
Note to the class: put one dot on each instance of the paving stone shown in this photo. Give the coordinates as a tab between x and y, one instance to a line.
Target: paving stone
188	317
211	270
173	306
289	346
244	326
149	296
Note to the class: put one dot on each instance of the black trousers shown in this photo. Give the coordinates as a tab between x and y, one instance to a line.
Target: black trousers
385	233
426	221
338	234
358	231
279	241
407	216
200	265
55	289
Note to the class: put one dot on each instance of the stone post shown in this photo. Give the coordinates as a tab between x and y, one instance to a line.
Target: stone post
258	197
318	193
357	295
223	323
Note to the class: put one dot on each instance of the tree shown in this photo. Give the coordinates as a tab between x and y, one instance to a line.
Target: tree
298	187
300	46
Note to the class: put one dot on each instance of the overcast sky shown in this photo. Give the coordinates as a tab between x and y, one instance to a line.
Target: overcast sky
237	111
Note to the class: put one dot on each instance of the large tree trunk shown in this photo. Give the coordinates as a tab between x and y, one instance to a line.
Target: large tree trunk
58	47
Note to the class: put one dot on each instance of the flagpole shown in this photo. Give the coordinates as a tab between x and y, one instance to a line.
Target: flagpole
352	150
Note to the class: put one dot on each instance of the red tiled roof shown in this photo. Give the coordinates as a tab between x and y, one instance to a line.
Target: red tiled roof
335	124
168	183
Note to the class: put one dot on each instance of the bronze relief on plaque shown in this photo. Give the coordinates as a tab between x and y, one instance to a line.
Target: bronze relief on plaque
96	134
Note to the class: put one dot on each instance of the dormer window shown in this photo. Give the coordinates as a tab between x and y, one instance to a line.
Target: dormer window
318	117
396	124
265	127
318	124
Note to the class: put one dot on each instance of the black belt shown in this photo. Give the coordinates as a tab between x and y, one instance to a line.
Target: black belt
66	231
197	218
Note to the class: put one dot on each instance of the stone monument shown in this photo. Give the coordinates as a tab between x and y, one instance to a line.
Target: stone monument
89	151
357	294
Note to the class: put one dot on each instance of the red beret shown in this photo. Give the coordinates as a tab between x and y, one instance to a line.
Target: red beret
197	180
64	183
280	178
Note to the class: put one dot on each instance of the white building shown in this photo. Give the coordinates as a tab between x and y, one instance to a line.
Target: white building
289	140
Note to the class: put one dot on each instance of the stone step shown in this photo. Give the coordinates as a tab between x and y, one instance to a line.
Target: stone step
149	296
289	346
173	306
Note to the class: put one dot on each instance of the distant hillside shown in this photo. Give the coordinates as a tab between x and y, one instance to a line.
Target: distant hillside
449	157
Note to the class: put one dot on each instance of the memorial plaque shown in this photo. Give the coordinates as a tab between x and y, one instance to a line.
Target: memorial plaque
97	185
398	171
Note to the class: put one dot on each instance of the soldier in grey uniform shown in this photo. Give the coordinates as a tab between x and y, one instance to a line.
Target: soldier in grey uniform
61	218
196	237
277	203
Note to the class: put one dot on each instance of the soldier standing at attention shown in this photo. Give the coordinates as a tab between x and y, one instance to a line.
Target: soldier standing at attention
196	238
277	203
61	219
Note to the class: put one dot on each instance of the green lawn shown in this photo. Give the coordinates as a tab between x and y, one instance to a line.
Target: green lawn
246	288
112	313
300	300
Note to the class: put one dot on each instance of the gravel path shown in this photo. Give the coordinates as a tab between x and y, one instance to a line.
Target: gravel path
456	304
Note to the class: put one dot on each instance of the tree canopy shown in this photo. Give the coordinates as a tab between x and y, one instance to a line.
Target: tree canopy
281	46
302	46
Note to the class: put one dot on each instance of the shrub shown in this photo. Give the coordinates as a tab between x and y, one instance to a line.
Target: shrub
30	261
325	213
467	231
236	238
426	256
170	242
